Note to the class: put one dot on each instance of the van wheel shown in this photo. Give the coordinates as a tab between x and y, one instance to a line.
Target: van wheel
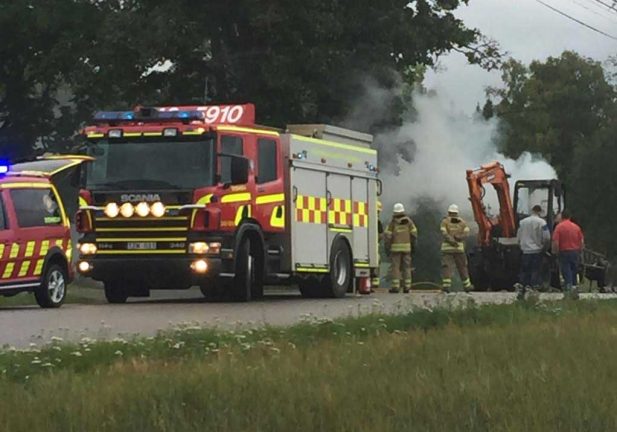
114	293
338	282
244	278
52	291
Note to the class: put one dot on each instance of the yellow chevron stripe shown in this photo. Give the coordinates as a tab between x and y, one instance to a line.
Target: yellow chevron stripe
44	248
25	266
14	250
30	249
39	267
8	270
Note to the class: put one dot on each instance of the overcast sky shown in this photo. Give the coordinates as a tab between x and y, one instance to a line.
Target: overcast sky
527	30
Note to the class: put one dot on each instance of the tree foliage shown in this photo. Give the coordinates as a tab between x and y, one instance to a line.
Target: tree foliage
297	60
565	109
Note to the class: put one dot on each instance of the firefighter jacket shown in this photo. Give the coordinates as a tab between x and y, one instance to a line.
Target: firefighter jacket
400	234
454	231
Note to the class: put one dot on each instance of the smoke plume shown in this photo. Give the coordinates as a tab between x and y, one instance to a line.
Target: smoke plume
442	144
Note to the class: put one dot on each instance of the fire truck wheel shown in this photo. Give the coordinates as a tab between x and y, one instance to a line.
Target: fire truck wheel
52	291
241	288
114	292
337	283
214	290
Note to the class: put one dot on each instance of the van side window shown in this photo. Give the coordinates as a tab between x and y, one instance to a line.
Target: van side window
266	160
36	207
231	145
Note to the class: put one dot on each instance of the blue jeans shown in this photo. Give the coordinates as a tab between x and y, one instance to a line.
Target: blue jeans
568	263
530	269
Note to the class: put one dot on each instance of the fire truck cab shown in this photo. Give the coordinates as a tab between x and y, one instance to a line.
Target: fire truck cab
201	195
35	235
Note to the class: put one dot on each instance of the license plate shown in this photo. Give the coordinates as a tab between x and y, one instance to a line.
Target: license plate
141	245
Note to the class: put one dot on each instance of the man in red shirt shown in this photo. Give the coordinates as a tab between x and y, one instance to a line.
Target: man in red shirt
568	242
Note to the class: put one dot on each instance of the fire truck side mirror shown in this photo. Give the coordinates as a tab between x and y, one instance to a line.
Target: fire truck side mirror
239	170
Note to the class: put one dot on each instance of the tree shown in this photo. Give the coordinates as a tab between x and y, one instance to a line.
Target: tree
40	45
297	60
565	110
553	108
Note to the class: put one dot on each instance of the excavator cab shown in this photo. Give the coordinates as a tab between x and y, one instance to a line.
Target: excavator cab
548	194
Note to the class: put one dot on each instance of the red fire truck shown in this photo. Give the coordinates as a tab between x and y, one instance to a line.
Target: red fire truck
36	198
201	195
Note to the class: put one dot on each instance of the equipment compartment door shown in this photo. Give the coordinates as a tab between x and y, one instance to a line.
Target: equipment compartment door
360	219
309	220
340	208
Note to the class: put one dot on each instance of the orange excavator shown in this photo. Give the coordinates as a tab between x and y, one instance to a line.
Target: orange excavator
495	260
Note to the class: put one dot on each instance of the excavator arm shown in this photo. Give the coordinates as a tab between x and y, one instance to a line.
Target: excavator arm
494	174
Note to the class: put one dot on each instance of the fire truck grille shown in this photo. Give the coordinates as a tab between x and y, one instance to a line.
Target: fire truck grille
120	236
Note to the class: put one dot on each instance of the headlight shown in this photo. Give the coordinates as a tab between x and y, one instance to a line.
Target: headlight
157	209
142	209
84	267
199	248
87	248
112	210
127	210
199	266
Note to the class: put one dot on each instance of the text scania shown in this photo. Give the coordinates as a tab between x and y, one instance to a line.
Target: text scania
139	197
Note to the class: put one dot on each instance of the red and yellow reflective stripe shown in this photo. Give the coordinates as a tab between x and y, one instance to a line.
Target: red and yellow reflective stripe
33	261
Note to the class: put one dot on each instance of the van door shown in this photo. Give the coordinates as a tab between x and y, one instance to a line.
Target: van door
41	226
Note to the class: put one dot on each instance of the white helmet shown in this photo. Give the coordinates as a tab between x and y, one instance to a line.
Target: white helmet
453	209
398	208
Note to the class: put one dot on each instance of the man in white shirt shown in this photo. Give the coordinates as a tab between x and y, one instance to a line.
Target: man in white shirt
534	238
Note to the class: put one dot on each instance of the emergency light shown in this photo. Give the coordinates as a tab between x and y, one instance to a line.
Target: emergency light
147	115
4	168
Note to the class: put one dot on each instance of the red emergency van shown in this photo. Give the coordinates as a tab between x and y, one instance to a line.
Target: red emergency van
36	199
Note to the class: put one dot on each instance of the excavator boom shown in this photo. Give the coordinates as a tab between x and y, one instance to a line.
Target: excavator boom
504	224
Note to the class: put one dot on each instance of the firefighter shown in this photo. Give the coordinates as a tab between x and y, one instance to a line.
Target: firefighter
454	231
377	276
400	237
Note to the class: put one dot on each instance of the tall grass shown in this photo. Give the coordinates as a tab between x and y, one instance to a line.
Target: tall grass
498	368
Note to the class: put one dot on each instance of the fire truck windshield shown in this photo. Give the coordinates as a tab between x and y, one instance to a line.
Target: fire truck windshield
155	165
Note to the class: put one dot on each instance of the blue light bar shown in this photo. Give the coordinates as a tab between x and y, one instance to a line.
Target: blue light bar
181	115
102	116
4	168
152	115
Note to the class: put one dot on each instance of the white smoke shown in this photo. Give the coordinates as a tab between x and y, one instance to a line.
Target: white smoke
447	143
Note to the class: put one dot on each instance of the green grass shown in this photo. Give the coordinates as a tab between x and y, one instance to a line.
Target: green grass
526	367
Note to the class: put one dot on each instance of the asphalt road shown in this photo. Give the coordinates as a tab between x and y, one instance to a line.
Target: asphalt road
23	325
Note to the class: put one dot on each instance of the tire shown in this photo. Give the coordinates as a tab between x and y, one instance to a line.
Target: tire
114	293
214	290
241	287
52	291
339	280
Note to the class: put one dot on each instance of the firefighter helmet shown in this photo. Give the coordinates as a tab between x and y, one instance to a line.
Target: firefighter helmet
398	208
453	209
